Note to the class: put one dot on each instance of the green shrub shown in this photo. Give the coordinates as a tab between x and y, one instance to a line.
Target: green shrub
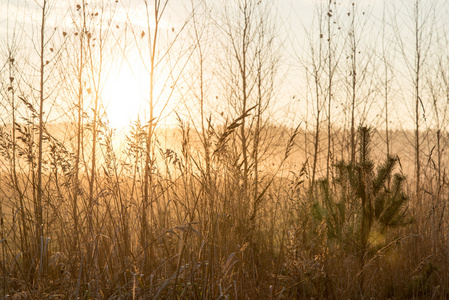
362	204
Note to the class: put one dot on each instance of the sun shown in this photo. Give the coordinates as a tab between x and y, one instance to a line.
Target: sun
124	95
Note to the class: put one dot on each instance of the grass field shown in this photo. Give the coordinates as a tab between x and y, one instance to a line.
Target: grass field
207	236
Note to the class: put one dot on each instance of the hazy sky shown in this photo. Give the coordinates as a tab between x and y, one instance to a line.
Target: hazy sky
297	25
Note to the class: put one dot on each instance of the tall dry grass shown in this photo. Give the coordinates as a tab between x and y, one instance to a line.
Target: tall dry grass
208	239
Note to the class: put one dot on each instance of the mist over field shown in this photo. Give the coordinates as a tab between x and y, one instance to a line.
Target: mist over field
238	149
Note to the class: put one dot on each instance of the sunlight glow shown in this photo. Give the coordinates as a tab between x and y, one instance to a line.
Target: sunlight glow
124	97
